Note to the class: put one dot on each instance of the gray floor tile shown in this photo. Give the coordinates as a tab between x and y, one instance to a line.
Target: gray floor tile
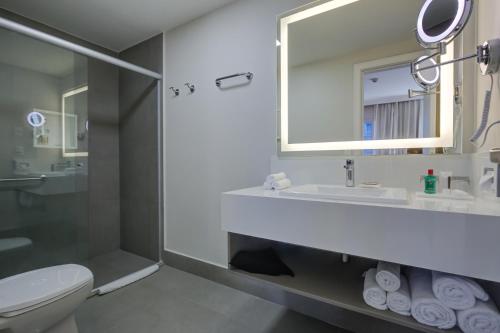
114	265
177	302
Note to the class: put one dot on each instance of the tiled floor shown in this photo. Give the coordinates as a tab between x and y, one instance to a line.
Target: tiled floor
172	301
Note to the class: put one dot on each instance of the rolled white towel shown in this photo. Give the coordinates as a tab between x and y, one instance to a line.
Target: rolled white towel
425	307
455	291
477	289
275	177
278	184
373	295
388	276
399	301
482	318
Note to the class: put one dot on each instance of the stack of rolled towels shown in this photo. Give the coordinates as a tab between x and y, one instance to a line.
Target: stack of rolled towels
432	298
277	181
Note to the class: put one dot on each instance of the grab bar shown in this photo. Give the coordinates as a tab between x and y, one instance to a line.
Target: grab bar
42	178
248	75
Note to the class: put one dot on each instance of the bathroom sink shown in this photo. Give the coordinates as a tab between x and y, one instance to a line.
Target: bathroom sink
357	194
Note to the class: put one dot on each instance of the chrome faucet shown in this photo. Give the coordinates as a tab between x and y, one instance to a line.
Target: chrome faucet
349	173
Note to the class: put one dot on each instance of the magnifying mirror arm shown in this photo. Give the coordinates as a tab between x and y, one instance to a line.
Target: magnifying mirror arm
487	54
415	70
418	93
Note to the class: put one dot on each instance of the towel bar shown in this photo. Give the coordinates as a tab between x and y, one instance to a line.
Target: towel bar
42	178
248	75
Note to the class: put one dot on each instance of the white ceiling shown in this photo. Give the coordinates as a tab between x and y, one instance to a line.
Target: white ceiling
114	24
391	83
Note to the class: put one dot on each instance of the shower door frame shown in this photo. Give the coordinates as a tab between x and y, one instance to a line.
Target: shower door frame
60	42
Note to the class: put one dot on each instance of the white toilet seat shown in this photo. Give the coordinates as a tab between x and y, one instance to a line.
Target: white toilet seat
25	292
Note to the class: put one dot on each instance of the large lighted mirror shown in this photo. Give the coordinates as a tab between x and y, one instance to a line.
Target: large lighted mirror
345	77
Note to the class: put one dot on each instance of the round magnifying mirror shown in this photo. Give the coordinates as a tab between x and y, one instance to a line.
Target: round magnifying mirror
427	78
442	20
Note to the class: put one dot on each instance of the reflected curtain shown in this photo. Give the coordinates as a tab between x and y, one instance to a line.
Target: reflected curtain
398	120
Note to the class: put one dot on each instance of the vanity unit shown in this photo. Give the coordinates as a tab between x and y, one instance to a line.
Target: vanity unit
446	235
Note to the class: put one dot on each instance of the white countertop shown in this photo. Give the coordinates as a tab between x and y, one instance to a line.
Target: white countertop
479	206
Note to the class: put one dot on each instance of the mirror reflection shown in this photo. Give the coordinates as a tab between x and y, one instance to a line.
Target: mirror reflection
388	112
359	51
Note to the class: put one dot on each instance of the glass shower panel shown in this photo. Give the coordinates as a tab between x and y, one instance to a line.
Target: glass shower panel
43	155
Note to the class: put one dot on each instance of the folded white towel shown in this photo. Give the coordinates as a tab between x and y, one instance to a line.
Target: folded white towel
275	177
456	292
278	184
399	301
425	307
373	295
482	318
388	276
478	290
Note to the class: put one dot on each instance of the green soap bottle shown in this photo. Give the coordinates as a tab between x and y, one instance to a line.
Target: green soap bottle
430	182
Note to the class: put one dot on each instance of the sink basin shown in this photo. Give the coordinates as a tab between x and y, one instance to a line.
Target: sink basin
357	194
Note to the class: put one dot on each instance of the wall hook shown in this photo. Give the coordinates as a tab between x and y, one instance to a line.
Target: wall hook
175	91
190	86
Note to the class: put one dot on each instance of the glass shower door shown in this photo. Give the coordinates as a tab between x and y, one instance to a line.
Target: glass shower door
43	155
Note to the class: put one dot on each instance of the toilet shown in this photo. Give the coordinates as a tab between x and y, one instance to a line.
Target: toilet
44	300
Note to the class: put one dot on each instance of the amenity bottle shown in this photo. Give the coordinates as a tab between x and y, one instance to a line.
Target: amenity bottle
430	182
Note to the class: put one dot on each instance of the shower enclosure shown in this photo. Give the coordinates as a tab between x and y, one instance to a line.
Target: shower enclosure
80	156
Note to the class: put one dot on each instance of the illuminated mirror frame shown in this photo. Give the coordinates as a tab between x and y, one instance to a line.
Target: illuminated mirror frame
63	107
446	106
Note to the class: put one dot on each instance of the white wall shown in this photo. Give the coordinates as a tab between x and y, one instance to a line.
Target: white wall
217	140
488	28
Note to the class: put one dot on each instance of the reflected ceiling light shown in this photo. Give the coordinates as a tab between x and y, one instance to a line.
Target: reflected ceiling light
35	119
429	78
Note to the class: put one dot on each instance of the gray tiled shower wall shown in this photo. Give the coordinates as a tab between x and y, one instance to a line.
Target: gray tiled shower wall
139	151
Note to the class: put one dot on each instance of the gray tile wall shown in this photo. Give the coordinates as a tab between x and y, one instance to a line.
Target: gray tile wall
104	162
138	151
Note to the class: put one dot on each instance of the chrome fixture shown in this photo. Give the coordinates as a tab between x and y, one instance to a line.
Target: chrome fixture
248	75
418	93
495	158
175	91
190	87
22	29
42	178
349	173
438	23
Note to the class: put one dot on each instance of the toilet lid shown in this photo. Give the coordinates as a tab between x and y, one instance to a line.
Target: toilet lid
27	289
